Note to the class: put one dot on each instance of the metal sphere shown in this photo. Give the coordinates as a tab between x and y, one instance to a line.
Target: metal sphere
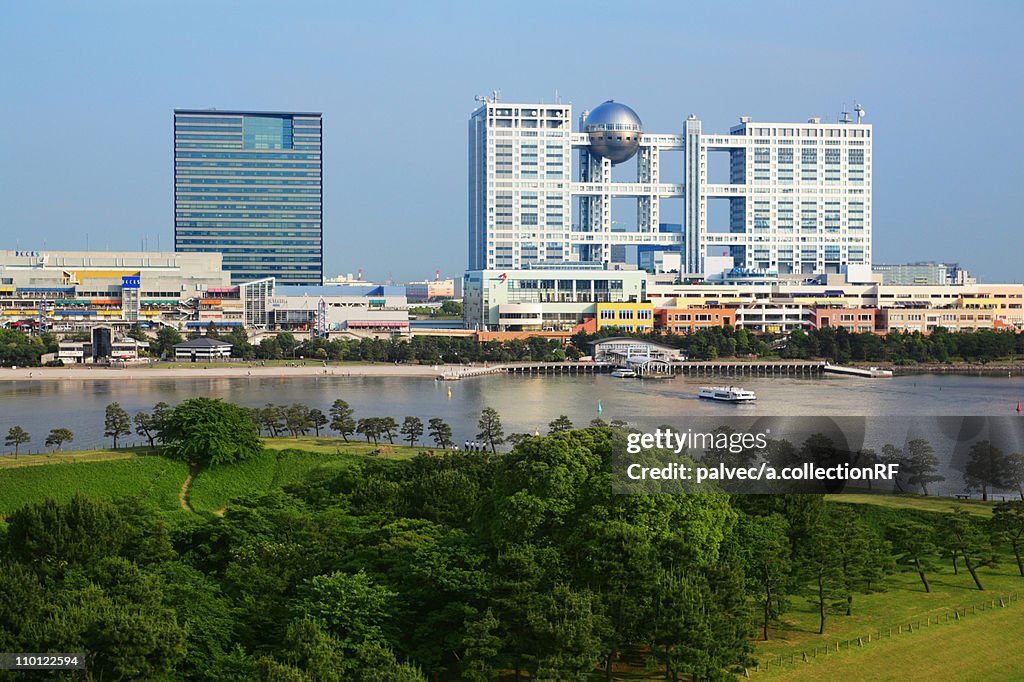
614	131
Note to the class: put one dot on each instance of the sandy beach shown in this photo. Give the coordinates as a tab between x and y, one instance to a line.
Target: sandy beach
243	371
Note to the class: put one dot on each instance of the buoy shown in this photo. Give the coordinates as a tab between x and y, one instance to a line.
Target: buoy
600	409
449	393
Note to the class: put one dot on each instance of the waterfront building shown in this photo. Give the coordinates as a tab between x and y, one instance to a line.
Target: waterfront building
545	299
202	349
249	185
65	290
622	350
688	320
345	310
799	194
631	317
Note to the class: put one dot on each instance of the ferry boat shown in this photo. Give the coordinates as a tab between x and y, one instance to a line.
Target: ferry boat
727	394
623	373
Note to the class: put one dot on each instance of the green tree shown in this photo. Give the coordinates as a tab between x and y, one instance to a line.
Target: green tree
491	431
866	457
451	308
1015	472
921	464
287	343
116	422
318	419
387	427
145	427
161	413
563	423
914	546
820	563
17	436
766	550
440	431
481	646
986	468
341	418
1008	524
240	346
271	418
412	429
353	608
567	626
166	338
58	437
297	420
864	558
204	432
370	428
963	538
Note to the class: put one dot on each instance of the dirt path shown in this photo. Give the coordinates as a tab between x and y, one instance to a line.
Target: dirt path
183	494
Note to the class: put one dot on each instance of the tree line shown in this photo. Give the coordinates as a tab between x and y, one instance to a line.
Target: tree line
456	565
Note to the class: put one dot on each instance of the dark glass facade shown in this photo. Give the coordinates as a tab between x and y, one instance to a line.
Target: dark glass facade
250	186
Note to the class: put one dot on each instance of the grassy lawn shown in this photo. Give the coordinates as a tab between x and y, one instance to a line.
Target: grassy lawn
331	445
12	462
918	502
284	461
109	474
979	647
154	479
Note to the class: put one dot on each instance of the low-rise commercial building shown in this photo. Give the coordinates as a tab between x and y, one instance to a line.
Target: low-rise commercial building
202	349
688	320
553	299
66	290
431	290
373	309
630	317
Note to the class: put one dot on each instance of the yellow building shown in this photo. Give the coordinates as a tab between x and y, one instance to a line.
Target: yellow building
630	317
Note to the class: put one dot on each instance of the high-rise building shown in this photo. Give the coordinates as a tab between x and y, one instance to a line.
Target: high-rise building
249	185
799	194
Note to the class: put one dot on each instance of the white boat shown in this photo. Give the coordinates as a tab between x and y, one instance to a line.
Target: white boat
727	394
623	373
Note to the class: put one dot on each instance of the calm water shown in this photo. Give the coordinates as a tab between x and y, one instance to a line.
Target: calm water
526	404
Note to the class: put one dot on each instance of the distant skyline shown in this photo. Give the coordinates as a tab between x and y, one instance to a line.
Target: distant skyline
90	89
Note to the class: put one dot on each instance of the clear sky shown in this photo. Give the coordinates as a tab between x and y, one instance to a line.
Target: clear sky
88	90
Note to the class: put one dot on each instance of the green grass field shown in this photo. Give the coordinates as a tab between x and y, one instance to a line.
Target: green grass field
155	479
331	445
284	461
12	462
978	647
917	502
110	474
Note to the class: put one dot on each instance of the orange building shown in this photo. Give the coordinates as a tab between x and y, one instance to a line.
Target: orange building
854	320
688	320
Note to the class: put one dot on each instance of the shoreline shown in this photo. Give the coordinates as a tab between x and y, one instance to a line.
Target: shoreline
170	371
243	372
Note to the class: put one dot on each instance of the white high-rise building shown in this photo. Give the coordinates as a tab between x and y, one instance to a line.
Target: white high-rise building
799	194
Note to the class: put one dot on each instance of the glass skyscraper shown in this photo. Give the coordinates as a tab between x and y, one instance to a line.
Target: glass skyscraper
249	185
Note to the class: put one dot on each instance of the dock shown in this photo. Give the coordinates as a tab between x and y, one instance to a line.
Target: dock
790	368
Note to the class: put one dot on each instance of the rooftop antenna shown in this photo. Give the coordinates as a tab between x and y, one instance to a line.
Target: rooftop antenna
496	94
844	115
859	110
558	98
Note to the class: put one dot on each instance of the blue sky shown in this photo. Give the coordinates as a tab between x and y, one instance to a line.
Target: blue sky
89	88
